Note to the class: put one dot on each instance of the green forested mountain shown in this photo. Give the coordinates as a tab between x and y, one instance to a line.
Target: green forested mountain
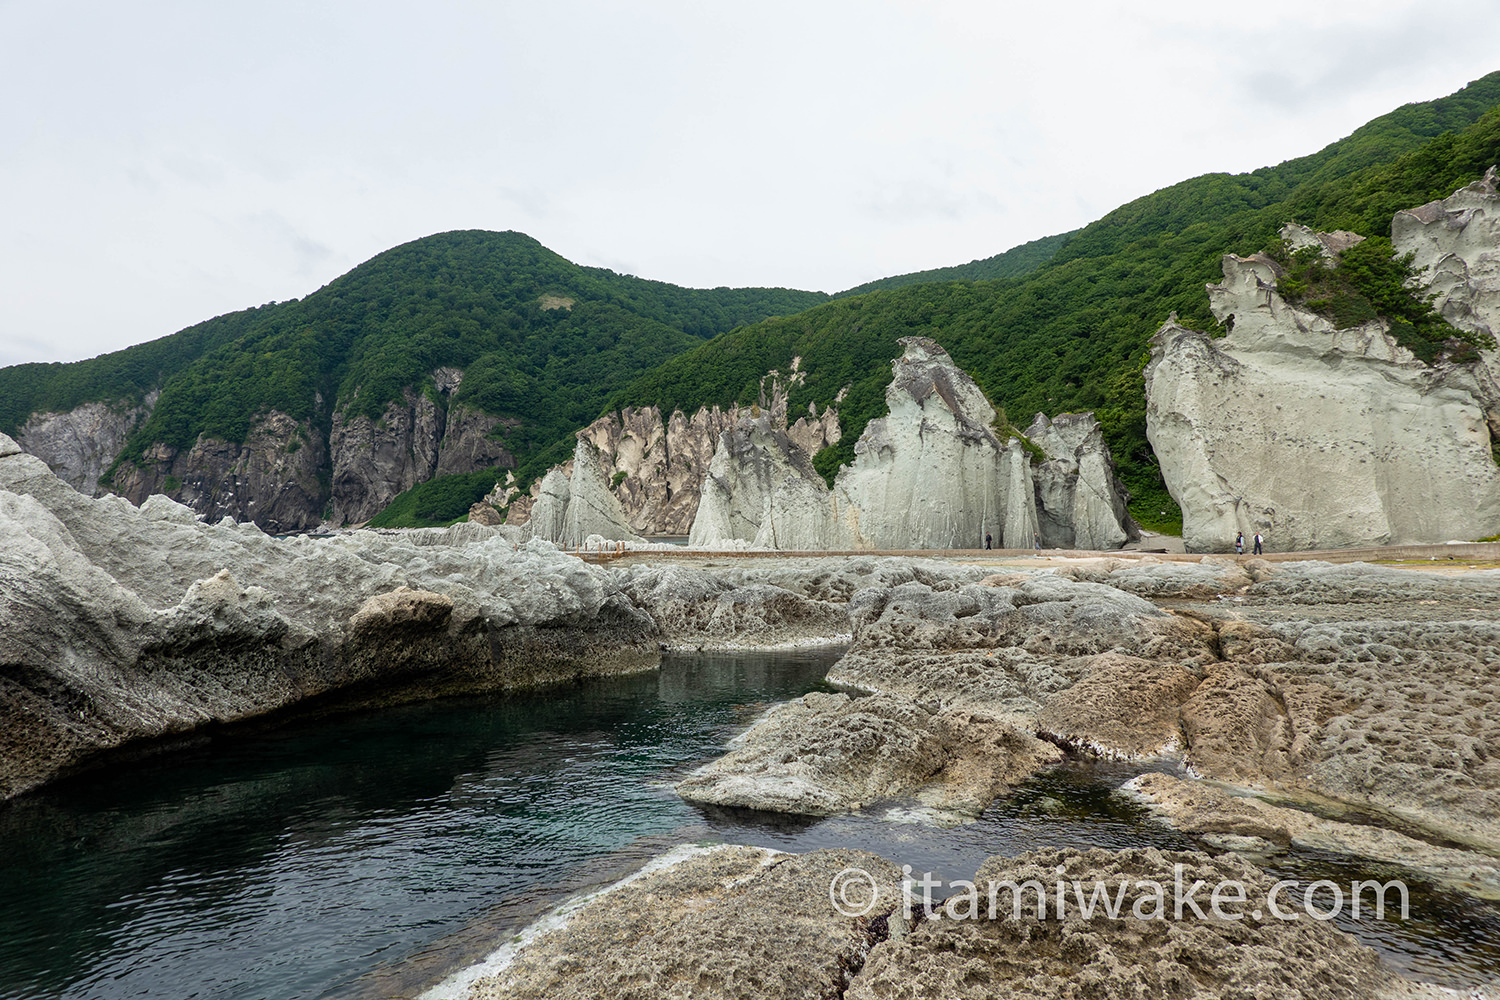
1072	335
541	340
1058	324
1013	263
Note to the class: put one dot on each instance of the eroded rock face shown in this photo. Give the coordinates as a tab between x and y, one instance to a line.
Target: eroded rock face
932	474
742	922
1035	954
1242	823
80	444
1325	438
696	609
125	625
829	753
1456	241
1080	503
657	468
272	479
732	922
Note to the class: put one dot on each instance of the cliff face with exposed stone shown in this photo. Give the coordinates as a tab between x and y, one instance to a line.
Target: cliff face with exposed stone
1325	438
656	469
79	444
932	474
287	475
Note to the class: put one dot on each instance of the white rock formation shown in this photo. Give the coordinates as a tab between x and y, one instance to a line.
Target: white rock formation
932	474
1317	437
1081	504
1457	242
571	508
661	464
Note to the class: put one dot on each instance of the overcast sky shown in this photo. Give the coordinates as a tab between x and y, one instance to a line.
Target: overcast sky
162	163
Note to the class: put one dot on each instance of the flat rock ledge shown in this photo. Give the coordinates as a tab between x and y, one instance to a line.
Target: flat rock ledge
740	922
1257	828
824	754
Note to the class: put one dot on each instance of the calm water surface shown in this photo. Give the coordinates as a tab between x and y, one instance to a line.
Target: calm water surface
369	855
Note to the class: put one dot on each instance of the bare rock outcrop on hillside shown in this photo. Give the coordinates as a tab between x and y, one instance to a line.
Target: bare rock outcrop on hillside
1326	438
932	474
273	478
658	467
125	626
80	444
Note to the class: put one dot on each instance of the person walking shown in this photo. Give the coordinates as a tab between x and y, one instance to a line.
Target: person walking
1258	540
1239	543
986	539
1036	541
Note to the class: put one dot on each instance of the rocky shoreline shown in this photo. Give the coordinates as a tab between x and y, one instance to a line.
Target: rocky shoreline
1334	708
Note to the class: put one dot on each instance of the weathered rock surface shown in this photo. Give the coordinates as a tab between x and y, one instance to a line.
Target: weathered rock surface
1247	824
742	922
288	475
123	626
829	753
80	444
1324	438
932	474
1080	504
1036	954
1456	243
571	510
733	922
662	464
696	609
272	479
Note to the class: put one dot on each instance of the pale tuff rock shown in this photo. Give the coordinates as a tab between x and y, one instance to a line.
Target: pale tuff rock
1081	505
731	923
664	464
570	511
696	609
754	460
1329	245
123	625
932	474
1456	244
1317	438
828	753
80	444
1248	824
1325	438
483	513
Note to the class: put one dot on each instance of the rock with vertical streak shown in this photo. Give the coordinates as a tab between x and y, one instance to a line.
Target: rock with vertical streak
1080	502
931	474
592	509
1326	438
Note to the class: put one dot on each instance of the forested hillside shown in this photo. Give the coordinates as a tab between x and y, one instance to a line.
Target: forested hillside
1013	263
1073	334
541	340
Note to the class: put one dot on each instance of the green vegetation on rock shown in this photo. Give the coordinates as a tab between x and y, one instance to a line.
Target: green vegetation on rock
1073	334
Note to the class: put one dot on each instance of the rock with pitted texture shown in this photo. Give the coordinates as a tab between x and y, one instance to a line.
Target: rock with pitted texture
829	753
122	626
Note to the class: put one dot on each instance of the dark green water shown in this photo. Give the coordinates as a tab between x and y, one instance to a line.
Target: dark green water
369	855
